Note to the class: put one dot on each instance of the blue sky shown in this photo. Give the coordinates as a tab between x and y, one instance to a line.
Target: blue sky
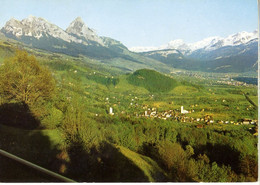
143	22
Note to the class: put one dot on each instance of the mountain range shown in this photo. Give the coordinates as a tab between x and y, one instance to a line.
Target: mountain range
208	44
38	32
235	53
78	40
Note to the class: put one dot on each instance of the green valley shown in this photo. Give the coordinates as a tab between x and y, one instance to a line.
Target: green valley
91	109
106	124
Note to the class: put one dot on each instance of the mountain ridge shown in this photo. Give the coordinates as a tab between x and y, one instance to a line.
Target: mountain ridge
35	27
75	40
79	41
235	53
80	30
210	43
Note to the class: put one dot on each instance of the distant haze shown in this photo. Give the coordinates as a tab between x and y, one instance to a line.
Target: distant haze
143	22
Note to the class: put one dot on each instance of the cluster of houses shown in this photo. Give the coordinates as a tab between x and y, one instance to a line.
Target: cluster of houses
177	116
182	117
229	81
234	83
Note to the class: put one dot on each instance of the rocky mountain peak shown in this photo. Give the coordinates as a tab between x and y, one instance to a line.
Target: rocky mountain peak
36	23
79	19
31	18
12	21
77	26
13	27
81	30
36	27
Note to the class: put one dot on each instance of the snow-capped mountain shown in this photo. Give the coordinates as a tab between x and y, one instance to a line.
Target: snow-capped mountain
178	44
77	39
235	53
209	44
80	30
40	33
36	27
213	43
240	38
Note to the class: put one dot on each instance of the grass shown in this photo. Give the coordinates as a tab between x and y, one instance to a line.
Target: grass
184	90
6	50
146	164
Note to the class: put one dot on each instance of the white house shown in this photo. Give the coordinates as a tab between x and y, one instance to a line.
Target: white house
184	111
111	111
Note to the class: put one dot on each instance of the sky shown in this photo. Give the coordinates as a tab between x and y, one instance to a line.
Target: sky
143	22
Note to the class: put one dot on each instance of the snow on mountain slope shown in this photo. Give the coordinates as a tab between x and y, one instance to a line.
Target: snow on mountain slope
209	44
164	53
140	49
214	43
177	44
37	28
80	29
240	38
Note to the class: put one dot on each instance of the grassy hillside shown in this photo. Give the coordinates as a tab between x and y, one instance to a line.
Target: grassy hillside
152	80
103	79
6	50
148	166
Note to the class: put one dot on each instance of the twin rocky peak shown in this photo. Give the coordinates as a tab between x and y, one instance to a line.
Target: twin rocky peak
38	27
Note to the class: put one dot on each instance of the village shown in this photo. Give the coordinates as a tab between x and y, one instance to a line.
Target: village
182	116
234	83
